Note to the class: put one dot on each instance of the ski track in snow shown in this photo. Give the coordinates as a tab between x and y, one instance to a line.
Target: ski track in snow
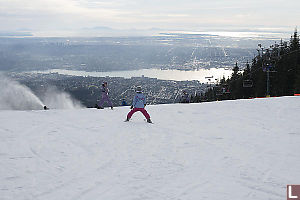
245	149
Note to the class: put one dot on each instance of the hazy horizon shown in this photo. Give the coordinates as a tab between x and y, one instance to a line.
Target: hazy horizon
143	17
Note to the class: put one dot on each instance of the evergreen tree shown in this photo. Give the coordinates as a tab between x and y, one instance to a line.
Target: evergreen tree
294	42
223	81
285	59
235	82
246	73
297	81
235	71
247	90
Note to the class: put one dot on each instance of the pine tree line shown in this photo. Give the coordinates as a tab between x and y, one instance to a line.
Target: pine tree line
275	71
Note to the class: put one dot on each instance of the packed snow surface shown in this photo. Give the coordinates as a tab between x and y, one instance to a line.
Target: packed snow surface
244	149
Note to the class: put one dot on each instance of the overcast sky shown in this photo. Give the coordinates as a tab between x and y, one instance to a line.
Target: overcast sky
193	15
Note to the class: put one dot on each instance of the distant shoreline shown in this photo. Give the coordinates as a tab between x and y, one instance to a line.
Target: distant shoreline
170	74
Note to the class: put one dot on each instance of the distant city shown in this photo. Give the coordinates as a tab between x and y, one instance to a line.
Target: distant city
20	57
88	89
168	51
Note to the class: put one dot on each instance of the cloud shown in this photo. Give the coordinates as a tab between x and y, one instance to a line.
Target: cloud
57	15
54	14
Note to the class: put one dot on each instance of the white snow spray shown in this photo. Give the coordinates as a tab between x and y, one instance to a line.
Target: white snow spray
56	99
14	96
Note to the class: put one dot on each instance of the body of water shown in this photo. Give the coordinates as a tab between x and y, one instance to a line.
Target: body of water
177	75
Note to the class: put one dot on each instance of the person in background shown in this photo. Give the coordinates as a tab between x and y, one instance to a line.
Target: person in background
124	102
185	97
105	97
138	104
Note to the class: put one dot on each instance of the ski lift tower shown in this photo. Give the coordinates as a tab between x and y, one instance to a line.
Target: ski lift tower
209	78
267	66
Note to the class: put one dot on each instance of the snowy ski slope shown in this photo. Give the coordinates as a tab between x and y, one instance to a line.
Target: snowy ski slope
244	149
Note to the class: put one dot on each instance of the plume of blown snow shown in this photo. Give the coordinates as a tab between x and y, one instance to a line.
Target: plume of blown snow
56	99
14	96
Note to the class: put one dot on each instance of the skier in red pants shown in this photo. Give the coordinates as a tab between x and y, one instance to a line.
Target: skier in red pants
138	104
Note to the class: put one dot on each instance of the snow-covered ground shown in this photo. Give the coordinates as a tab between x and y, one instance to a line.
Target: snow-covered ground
245	149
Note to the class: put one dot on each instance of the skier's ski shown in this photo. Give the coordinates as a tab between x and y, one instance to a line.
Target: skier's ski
98	107
149	121
145	121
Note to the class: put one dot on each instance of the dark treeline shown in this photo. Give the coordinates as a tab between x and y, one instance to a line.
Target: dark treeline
275	71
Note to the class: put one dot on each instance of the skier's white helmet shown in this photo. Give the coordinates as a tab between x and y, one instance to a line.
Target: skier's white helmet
138	89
